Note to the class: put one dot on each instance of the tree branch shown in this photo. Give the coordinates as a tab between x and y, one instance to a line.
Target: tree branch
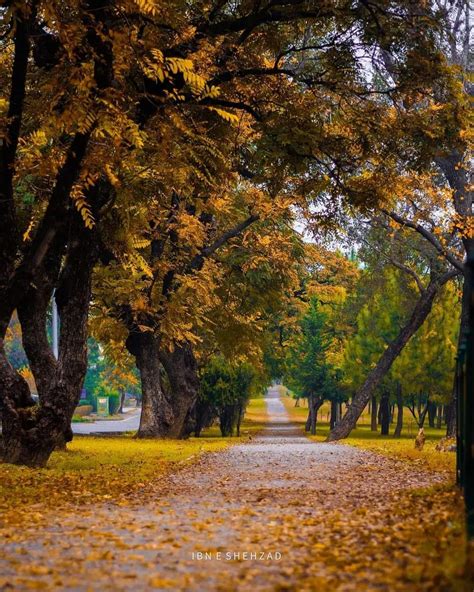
231	233
198	261
410	272
428	236
9	145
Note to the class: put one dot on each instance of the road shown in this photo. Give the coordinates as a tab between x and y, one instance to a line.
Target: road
129	424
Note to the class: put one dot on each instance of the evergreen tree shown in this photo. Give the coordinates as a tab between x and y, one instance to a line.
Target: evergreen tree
309	374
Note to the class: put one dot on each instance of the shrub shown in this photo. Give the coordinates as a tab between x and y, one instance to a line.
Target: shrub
79	419
224	393
89	401
114	403
83	410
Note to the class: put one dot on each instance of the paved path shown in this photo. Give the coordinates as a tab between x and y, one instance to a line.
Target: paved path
130	423
277	513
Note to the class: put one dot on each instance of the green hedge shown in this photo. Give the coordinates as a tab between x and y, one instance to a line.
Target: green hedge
91	400
114	403
83	410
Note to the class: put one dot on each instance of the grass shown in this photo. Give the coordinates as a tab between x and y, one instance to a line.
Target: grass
363	437
97	468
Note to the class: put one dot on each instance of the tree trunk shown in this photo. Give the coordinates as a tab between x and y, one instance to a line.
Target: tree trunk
375	376
373	414
239	418
334	414
451	416
314	403
439	417
31	433
227	416
451	408
122	400
431	414
385	413
399	426
157	414
204	414
181	368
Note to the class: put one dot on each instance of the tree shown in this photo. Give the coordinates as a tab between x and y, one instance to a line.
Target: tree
428	275
425	369
309	374
95	99
224	392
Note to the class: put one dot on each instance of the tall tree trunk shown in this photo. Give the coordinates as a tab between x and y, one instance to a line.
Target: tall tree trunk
314	404
239	418
399	426
451	408
227	420
373	414
451	416
182	371
375	376
157	414
204	414
122	400
385	413
431	414
439	417
334	414
31	433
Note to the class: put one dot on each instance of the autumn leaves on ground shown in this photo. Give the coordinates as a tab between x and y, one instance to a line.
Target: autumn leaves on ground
136	515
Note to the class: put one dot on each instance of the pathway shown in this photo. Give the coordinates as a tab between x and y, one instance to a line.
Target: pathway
277	513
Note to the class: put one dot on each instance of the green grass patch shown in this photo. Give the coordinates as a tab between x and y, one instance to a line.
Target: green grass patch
363	437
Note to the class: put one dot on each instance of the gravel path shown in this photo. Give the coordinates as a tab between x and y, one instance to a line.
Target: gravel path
249	518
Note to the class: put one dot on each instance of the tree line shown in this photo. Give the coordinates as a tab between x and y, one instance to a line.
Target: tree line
157	159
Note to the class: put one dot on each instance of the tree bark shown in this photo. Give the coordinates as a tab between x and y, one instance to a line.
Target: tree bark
181	368
204	414
439	417
451	408
239	418
334	414
227	416
375	376
314	404
31	433
431	414
385	413
157	414
373	414
399	426
122	400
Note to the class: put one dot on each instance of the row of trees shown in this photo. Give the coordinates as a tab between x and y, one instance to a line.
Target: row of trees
339	336
154	159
